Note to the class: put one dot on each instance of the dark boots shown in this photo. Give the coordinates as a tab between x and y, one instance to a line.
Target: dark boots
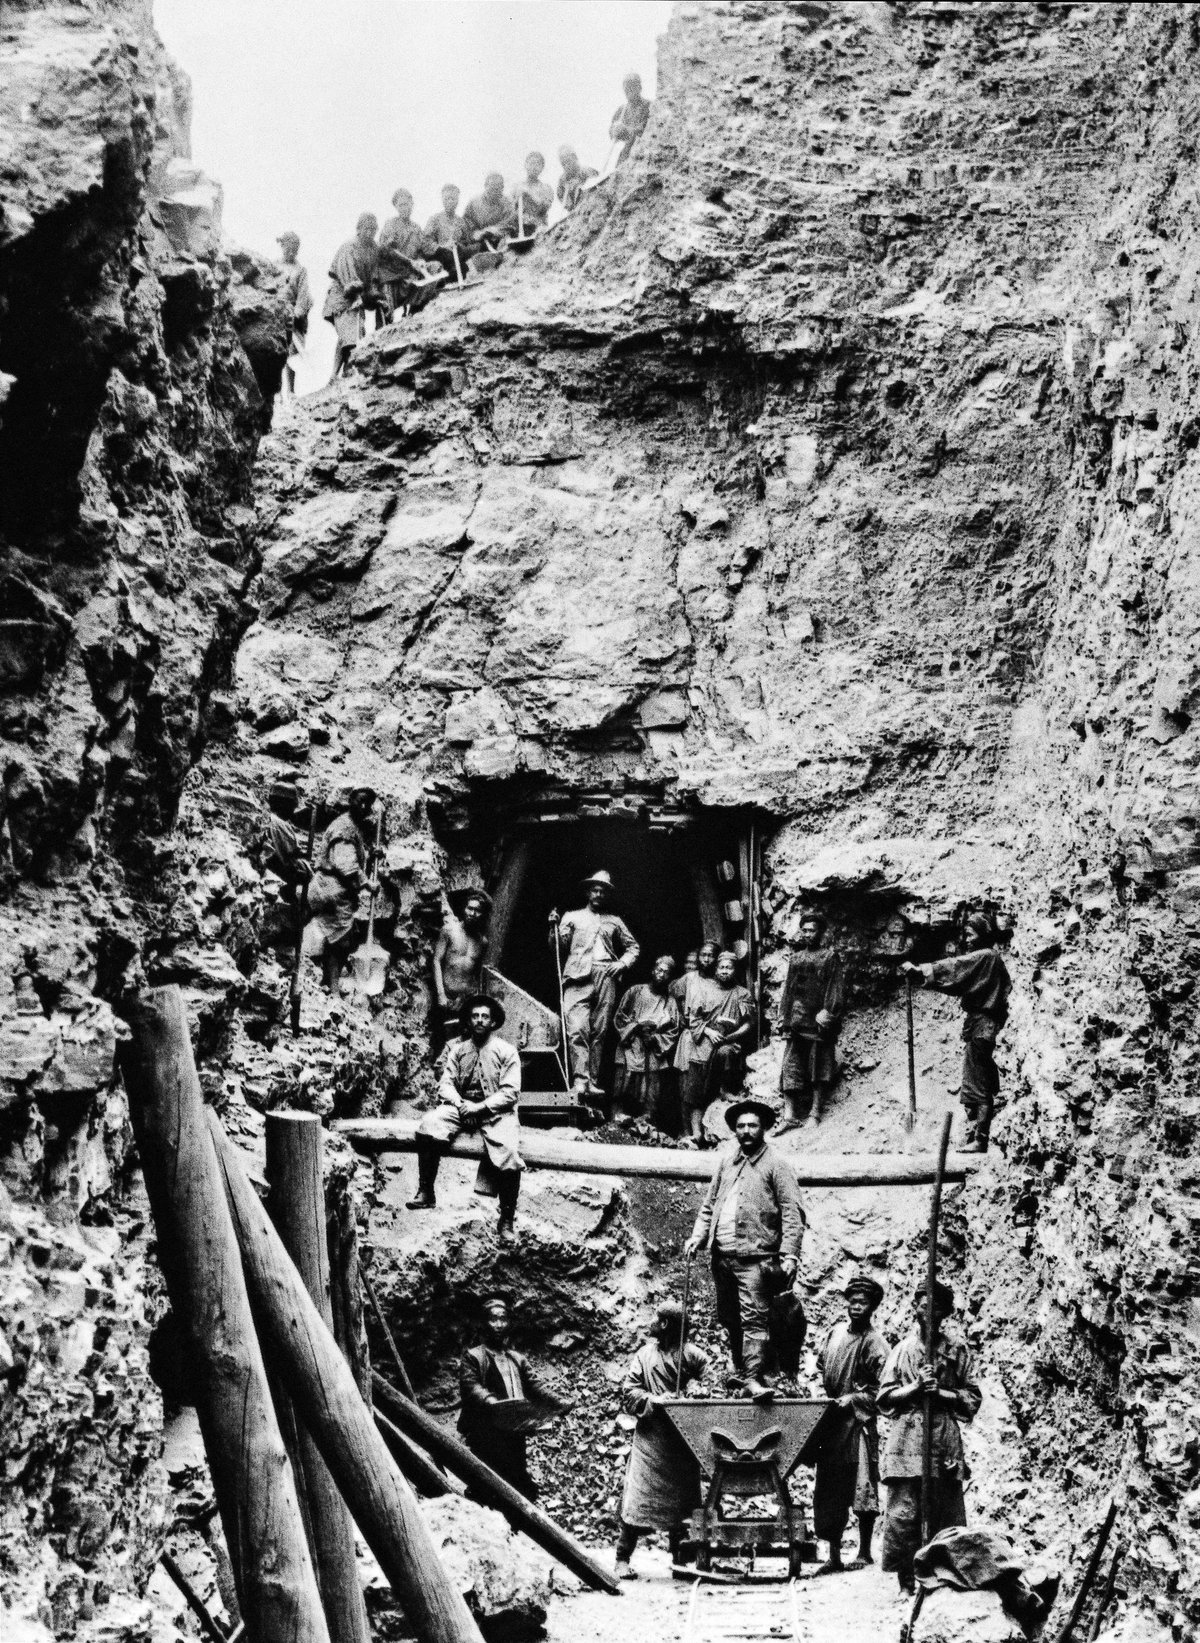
427	1168
508	1187
754	1349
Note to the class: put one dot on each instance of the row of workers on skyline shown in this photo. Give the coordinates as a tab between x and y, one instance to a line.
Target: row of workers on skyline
403	269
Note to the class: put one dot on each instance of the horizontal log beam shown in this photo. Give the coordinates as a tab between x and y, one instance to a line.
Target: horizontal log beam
542	1151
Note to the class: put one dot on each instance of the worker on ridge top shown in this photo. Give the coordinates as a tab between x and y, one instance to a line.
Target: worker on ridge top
403	250
572	178
299	295
596	948
353	276
487	215
631	118
533	196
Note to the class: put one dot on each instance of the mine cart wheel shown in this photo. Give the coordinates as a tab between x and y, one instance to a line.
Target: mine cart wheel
795	1563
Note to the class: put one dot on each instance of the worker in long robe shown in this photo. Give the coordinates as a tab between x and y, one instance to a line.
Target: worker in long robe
979	978
597	949
647	1025
810	1018
701	998
353	276
903	1386
735	1020
298	295
572	177
850	1363
491	1379
343	867
404	248
449	234
281	859
478	1091
630	120
662	1476
752	1223
532	198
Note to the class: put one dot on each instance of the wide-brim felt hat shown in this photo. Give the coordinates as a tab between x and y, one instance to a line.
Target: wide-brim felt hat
600	878
760	1109
493	1004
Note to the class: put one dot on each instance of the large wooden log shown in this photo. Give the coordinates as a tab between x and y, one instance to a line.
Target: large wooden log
198	1252
543	1151
329	1404
296	1204
491	1488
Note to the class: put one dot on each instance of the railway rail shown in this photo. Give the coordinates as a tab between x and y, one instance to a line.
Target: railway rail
751	1612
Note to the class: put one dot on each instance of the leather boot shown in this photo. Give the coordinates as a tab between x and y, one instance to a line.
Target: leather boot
507	1189
755	1351
427	1168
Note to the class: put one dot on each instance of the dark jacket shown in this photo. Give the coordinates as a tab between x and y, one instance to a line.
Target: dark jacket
982	982
481	1385
769	1217
816	980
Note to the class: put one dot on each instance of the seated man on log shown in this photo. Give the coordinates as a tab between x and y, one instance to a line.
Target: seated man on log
701	998
907	1381
403	248
494	1384
458	957
449	233
810	1018
478	1092
662	1477
979	978
343	867
850	1363
647	1025
532	198
596	949
352	290
630	120
752	1223
572	177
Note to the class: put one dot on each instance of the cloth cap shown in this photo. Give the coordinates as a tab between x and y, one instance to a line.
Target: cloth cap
758	1108
289	237
495	1297
943	1295
980	924
363	792
493	1004
368	219
871	1291
725	953
600	878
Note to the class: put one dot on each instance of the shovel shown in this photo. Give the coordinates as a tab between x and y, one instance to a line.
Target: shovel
522	241
604	173
369	965
683	1323
462	282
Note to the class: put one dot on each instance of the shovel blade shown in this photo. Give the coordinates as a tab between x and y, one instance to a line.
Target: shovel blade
369	967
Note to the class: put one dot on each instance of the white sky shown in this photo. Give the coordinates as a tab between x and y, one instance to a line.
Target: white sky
309	112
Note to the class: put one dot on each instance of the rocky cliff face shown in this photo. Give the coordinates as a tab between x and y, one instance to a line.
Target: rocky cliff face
137	363
837	460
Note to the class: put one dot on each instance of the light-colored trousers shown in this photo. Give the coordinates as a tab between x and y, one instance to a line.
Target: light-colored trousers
589	1007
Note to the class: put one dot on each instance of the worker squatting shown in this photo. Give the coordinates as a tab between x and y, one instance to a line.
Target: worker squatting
399	269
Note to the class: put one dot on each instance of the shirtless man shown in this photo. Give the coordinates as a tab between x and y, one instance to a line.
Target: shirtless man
458	956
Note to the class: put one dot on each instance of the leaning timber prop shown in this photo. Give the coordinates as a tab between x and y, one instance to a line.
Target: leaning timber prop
935	1212
296	1204
1106	1594
911	1116
402	1376
425	1475
491	1489
376	1135
295	990
210	1627
1067	1630
252	1479
328	1402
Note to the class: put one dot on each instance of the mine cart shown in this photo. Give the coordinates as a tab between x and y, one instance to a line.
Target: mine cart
747	1449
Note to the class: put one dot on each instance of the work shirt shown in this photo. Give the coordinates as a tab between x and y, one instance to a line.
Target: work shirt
982	982
629	122
657	1014
904	1448
850	1364
536	200
485	212
296	289
770	1219
487	1376
352	272
445	230
595	939
702	999
405	241
725	1236
570	187
815	981
491	1074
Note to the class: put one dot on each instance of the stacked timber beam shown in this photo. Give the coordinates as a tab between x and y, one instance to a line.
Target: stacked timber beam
376	1135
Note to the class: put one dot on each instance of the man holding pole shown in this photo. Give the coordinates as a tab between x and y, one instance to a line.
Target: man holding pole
595	949
980	979
478	1092
752	1223
919	1384
662	1478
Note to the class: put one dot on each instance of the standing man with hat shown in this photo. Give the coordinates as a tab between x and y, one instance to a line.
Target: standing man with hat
299	296
752	1222
907	1381
979	978
480	1084
850	1363
502	1399
597	948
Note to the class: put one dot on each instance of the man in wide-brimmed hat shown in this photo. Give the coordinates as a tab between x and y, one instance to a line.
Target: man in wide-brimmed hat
752	1222
458	958
906	1382
979	978
597	950
479	1088
850	1362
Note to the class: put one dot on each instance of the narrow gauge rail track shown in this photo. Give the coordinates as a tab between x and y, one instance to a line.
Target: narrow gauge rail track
751	1613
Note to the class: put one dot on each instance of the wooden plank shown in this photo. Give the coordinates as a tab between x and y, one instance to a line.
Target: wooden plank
329	1404
296	1204
198	1252
542	1151
708	901
507	894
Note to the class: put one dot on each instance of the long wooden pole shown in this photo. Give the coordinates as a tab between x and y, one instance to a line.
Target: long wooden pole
912	1053
1106	1594
329	1404
542	1151
198	1252
935	1211
492	1489
1067	1630
424	1474
296	1204
406	1385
